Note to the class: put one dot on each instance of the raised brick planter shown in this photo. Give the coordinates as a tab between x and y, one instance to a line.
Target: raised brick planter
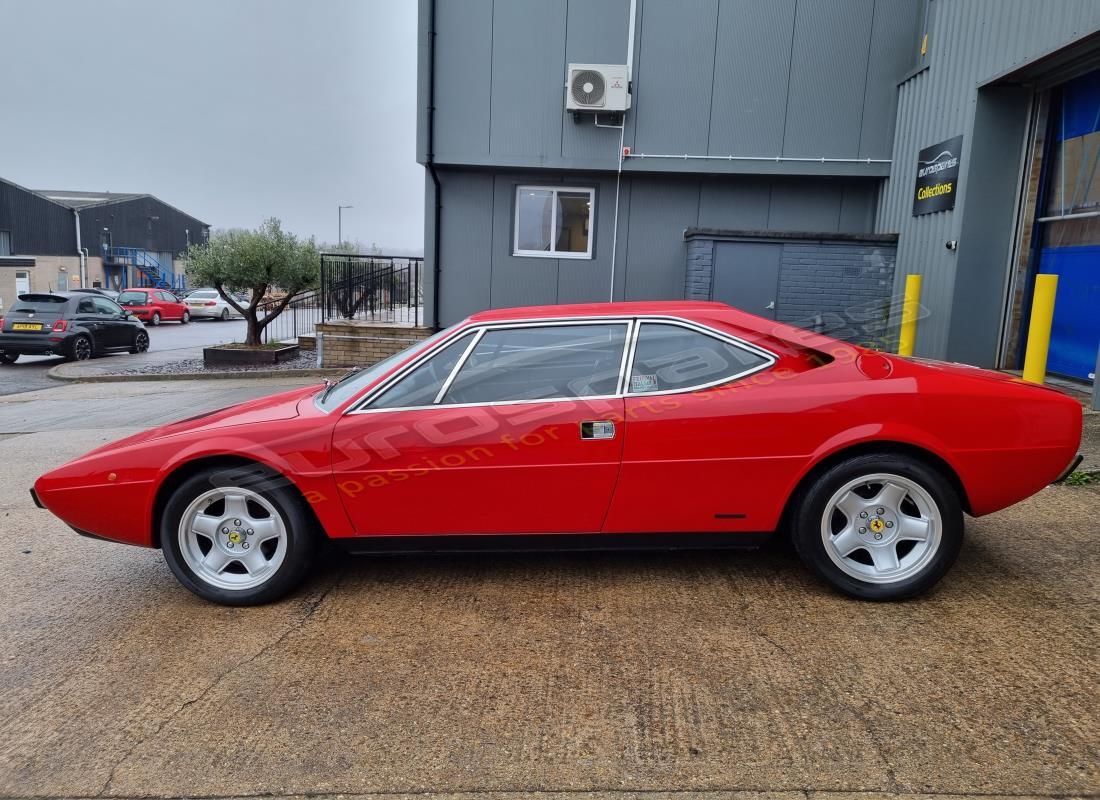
228	356
355	343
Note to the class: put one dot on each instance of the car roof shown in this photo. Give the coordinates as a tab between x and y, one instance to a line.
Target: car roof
703	311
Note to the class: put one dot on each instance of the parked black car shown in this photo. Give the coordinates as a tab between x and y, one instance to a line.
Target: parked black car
75	325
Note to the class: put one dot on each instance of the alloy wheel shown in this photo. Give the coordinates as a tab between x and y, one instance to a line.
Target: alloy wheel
232	538
141	342
82	348
881	528
156	318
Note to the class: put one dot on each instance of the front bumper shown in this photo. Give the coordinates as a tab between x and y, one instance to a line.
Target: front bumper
1069	470
34	496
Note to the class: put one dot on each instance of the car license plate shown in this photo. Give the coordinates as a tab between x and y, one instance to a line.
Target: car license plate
195	305
26	326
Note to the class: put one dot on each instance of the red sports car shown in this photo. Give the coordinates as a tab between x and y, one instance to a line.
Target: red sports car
659	424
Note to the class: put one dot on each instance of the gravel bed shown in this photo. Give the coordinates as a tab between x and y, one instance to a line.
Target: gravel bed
306	359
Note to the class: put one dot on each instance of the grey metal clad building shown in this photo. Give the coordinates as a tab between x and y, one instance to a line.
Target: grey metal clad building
768	158
57	240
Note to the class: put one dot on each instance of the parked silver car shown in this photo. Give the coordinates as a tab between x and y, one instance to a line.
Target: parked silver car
208	304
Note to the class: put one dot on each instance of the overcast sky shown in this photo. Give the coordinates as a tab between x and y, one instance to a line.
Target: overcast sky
231	110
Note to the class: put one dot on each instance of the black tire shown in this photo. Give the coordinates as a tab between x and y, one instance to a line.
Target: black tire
301	533
185	318
140	343
225	315
81	348
808	536
155	321
8	358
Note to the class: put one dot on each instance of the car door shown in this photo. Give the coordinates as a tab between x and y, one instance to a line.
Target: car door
508	429
700	456
176	308
116	328
92	321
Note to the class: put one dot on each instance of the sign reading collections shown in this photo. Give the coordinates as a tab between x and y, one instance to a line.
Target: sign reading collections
937	177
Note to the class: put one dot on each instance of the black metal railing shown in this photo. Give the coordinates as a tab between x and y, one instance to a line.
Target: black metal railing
376	288
387	289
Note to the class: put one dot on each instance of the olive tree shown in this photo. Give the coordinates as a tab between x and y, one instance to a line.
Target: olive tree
254	263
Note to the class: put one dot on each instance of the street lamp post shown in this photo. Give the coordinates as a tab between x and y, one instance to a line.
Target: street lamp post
340	224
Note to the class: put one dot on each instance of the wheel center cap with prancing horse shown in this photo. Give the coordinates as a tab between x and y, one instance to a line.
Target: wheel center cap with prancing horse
877	525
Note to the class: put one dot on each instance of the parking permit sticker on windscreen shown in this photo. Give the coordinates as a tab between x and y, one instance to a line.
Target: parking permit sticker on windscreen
643	383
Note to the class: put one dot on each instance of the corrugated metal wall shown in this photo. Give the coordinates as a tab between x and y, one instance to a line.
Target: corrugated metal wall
970	41
144	222
37	226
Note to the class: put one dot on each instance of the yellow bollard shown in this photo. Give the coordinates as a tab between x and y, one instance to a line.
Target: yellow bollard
910	310
1038	331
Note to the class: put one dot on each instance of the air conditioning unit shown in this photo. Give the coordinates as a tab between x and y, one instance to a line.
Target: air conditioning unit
597	88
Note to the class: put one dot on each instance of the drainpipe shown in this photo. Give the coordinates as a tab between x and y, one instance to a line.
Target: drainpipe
430	161
80	251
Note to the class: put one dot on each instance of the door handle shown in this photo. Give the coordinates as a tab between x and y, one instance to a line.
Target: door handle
598	429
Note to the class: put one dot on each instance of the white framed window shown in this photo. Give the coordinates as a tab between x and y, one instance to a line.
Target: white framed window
554	221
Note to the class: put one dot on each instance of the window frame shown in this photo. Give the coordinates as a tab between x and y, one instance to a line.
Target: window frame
634	325
589	190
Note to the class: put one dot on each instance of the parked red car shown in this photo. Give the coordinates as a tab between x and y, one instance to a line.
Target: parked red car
154	305
662	424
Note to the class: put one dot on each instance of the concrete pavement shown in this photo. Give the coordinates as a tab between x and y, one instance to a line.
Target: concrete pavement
550	676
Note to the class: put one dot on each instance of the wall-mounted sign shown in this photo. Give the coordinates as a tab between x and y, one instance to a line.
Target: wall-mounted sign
937	177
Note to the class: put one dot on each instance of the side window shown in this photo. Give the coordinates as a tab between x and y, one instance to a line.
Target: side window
105	306
540	363
86	306
420	387
671	357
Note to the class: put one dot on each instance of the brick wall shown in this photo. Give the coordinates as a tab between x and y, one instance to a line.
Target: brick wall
700	269
353	343
841	287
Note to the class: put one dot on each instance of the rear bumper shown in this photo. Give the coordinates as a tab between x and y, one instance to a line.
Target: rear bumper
31	344
204	313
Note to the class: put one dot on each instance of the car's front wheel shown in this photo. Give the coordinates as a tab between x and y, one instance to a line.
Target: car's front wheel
879	527
238	536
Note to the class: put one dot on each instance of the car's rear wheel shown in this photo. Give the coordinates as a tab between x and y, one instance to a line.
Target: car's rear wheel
8	358
225	315
237	536
141	342
155	319
879	527
81	348
186	317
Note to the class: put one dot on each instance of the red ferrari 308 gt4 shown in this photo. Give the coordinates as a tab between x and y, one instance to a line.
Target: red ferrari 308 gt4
660	424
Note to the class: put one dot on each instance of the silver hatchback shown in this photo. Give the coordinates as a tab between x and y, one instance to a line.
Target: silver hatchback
208	304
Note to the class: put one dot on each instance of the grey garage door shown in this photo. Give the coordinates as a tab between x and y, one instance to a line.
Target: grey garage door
746	275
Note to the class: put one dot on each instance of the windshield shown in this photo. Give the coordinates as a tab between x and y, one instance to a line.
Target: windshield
355	382
132	299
